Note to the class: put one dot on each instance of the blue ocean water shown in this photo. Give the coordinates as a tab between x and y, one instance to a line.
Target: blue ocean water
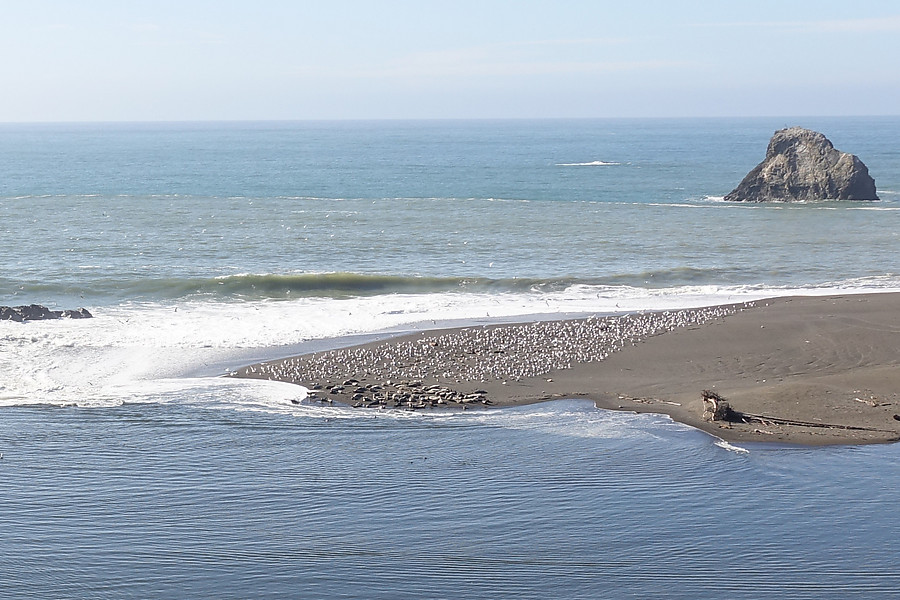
125	212
129	470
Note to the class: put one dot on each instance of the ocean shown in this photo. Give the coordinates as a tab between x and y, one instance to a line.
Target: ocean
130	468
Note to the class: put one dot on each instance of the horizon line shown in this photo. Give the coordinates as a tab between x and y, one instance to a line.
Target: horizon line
435	119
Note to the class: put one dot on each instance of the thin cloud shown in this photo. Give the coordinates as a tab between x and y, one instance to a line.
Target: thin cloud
501	69
482	69
889	24
529	58
607	41
875	25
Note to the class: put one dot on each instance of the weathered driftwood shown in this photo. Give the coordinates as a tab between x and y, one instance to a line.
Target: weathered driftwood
766	420
717	409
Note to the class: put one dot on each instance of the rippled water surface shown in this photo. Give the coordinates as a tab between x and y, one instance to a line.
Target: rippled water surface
555	500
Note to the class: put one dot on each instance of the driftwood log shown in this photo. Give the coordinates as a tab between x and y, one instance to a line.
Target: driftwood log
717	408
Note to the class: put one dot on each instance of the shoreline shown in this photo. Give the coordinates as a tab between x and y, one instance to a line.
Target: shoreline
815	370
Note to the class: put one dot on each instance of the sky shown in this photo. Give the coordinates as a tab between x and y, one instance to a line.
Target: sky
187	60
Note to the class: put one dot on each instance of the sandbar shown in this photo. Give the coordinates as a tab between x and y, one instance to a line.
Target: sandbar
811	370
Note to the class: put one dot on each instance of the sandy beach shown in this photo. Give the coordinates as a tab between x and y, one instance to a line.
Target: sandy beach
804	370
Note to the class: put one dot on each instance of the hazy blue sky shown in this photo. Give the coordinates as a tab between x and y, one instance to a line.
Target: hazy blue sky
335	59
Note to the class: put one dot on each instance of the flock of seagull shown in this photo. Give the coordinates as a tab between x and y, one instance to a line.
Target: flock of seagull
482	354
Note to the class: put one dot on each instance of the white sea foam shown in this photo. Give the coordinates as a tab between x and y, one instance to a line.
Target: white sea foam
593	163
731	447
578	418
132	352
682	205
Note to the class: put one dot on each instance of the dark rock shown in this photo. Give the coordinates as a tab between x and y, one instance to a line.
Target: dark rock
25	313
36	312
803	165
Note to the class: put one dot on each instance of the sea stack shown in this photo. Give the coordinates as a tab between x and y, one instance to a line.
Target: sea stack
803	165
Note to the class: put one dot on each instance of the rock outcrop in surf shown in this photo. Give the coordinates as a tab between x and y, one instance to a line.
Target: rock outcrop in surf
802	165
36	312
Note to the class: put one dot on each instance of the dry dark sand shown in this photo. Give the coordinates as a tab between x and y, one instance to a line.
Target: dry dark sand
830	362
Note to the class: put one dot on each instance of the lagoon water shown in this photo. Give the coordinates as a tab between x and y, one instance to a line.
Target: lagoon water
558	500
129	469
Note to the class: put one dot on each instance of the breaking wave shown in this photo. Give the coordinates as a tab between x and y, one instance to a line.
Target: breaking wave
593	163
262	287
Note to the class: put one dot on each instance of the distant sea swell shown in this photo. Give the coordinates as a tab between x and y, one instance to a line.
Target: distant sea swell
250	286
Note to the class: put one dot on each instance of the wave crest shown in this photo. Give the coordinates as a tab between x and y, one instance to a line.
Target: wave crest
593	163
343	285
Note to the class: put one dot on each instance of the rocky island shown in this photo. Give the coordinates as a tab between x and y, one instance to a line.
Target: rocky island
803	165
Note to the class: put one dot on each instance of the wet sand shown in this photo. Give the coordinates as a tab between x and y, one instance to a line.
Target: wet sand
804	370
